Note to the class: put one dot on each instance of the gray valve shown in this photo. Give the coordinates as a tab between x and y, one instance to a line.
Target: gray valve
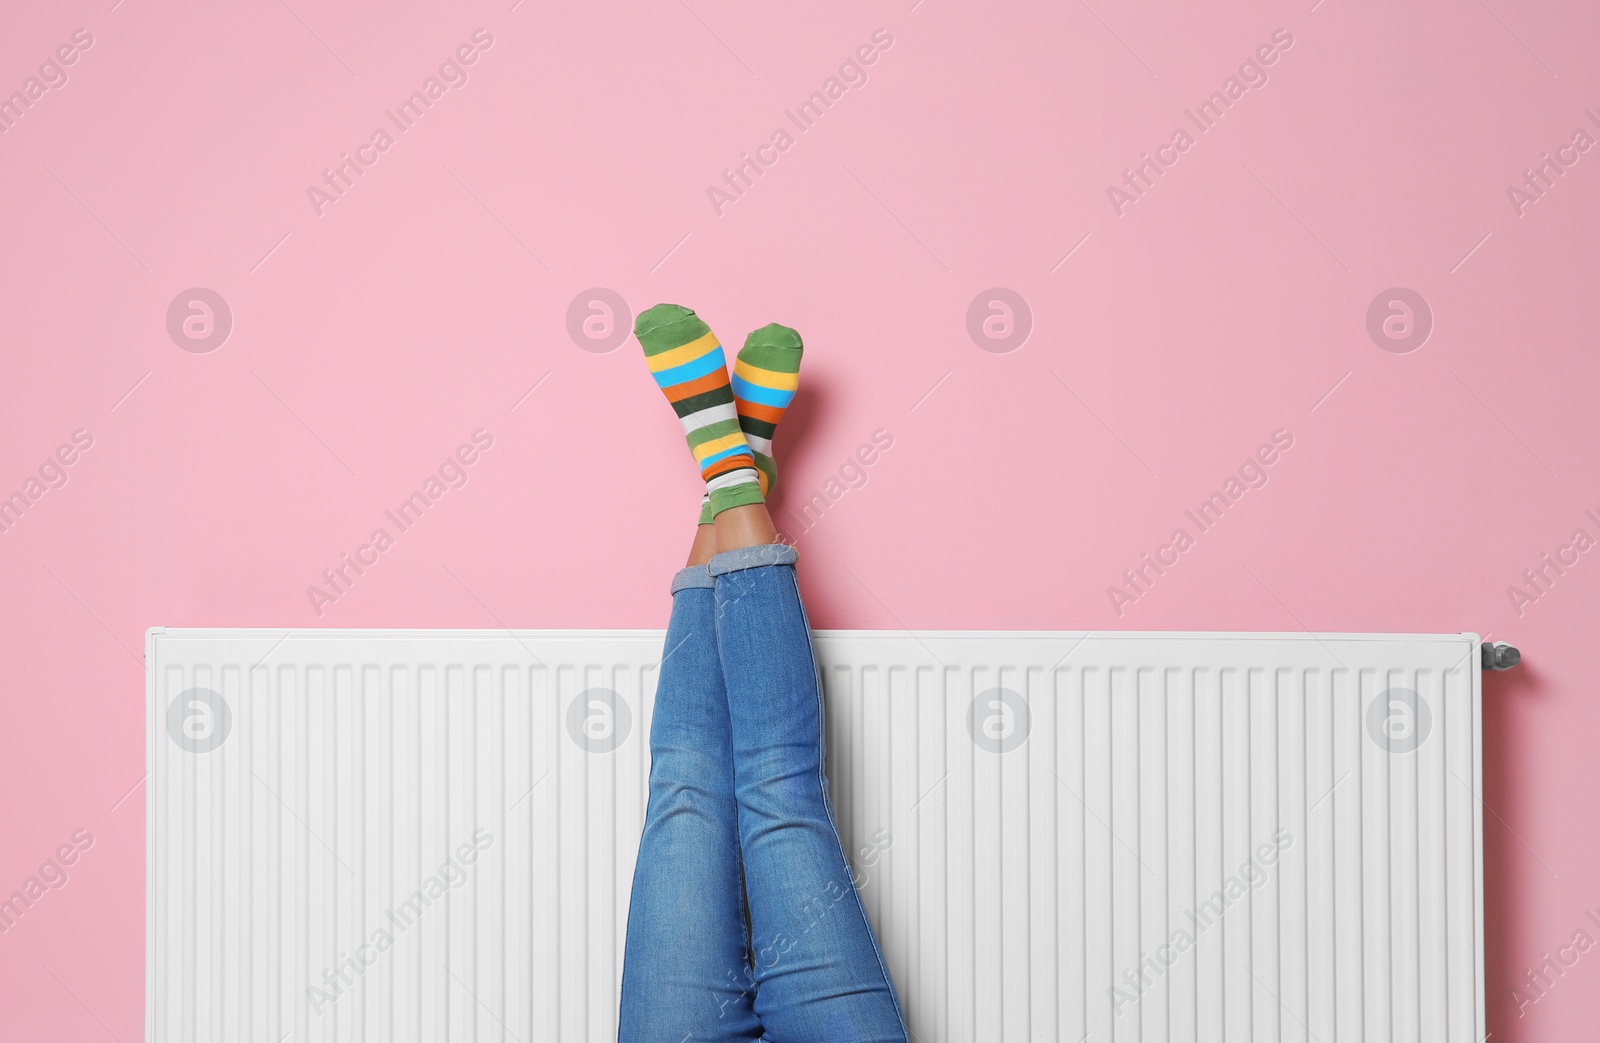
1497	655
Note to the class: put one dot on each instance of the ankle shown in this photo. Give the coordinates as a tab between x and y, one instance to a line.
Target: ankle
746	526
704	546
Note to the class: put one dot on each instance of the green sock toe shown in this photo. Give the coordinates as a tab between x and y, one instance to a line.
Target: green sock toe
667	326
774	346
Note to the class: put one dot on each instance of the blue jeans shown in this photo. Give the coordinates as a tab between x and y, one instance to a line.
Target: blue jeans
744	922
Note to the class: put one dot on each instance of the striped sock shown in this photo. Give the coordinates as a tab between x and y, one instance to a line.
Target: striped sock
765	376
686	361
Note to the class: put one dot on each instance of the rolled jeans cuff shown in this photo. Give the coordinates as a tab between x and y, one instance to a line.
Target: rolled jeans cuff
752	558
692	576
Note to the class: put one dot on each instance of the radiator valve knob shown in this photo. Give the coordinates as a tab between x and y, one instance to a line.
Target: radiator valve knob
1497	655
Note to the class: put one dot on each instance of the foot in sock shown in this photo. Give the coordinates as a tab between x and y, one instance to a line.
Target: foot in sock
686	360
765	376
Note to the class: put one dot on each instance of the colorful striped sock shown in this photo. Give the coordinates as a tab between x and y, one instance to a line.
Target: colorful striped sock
687	363
765	376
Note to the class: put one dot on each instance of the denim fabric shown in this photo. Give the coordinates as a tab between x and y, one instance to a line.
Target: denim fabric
752	557
686	972
692	576
816	972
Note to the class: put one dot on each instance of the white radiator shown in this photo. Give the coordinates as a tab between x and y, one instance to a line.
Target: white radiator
429	835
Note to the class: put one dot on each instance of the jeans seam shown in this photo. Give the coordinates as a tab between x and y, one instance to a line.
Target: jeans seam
827	805
738	829
746	919
738	842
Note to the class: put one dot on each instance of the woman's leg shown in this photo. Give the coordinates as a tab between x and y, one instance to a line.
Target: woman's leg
819	973
686	968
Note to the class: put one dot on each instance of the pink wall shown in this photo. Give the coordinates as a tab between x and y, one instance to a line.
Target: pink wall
1166	343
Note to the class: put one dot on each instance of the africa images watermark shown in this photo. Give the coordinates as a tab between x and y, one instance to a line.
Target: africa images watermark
51	75
999	720
815	911
599	720
849	475
451	875
451	474
1251	474
1252	874
1252	75
852	75
1543	976
1536	179
1539	579
52	874
52	474
452	75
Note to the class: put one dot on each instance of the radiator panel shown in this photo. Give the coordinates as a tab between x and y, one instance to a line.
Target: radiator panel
1034	816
